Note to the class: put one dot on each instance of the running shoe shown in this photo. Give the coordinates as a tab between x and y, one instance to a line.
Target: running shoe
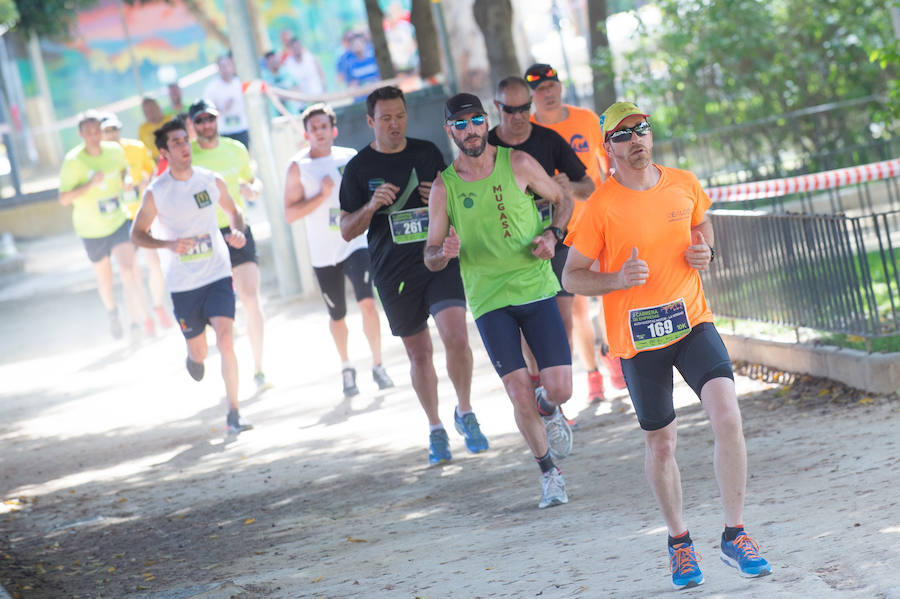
685	567
115	325
553	489
235	424
149	327
439	447
261	383
595	386
559	433
468	427
381	378
743	554
165	321
614	366
195	369
350	388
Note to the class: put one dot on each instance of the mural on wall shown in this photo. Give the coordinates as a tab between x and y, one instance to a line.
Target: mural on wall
119	51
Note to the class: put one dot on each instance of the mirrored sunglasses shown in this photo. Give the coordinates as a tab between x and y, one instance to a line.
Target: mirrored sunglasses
461	124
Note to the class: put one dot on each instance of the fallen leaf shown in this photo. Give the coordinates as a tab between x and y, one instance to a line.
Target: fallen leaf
319	579
111	569
123	500
866	400
824	392
249	521
213	536
352	540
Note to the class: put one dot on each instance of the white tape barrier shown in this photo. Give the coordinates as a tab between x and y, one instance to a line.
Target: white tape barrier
816	182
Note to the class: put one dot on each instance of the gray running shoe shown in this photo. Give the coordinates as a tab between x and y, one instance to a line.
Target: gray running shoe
195	369
349	376
115	325
234	424
559	433
380	376
553	489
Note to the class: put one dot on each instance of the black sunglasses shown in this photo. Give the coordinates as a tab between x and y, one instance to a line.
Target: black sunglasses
514	109
623	135
204	119
461	124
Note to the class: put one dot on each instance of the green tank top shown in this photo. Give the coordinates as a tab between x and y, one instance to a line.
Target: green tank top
496	221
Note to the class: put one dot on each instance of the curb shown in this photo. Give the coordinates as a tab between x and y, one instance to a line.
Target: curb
875	373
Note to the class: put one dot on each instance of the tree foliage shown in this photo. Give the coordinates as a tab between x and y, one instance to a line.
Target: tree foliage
706	64
49	18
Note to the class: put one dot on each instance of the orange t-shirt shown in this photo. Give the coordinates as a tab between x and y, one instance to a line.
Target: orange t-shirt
583	133
658	223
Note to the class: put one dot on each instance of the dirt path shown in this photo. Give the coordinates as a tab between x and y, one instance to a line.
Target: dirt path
119	482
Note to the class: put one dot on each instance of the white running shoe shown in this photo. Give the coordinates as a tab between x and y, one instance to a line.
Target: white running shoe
559	433
553	489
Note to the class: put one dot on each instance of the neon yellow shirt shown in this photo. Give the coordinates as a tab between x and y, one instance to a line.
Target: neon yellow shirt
99	211
141	167
231	160
145	133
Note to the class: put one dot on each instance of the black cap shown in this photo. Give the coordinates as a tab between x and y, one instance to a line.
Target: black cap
540	72
461	104
202	107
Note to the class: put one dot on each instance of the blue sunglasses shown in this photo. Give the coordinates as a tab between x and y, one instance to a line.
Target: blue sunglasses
461	124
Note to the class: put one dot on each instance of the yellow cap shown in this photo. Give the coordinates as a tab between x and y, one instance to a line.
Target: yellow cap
613	116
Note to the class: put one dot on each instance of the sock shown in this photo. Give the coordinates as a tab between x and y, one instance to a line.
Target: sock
545	408
346	365
461	414
535	379
434	427
731	532
684	537
546	462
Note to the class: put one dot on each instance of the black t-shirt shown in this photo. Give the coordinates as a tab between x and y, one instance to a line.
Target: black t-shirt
419	161
550	150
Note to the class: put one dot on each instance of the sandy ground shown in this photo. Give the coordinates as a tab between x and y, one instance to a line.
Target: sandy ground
119	482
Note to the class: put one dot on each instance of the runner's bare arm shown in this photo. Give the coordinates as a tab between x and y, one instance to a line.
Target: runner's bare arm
296	204
578	277
236	238
354	224
438	252
529	173
140	229
67	197
583	188
699	253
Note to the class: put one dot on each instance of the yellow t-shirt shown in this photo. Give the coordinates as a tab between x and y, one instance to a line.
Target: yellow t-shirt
583	133
231	160
99	211
658	223
145	134
141	167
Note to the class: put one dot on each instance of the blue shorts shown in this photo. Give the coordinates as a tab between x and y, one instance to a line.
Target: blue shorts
699	357
355	267
98	248
194	308
542	327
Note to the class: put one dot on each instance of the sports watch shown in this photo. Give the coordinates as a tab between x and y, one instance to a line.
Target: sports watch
557	232
712	253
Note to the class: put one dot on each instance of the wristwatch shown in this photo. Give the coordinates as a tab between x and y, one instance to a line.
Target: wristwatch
557	232
712	253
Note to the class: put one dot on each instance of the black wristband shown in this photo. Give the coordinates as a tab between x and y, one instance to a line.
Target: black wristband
557	232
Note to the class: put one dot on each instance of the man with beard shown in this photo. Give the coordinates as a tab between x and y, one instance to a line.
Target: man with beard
559	161
480	210
385	189
649	232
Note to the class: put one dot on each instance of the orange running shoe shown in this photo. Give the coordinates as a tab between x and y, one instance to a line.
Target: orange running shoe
614	366
595	386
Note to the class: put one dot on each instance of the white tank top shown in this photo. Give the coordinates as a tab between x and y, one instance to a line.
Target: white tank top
323	225
188	209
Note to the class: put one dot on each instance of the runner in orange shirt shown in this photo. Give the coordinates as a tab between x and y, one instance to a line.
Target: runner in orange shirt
580	127
649	232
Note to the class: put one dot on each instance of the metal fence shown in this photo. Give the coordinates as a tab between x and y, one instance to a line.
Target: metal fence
814	139
834	273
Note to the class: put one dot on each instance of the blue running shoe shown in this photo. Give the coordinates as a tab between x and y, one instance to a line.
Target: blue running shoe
467	426
439	447
683	562
743	554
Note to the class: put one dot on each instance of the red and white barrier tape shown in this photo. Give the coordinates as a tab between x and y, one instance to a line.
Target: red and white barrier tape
774	188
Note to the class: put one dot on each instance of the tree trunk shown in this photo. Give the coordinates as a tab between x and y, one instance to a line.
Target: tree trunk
426	38
601	58
379	41
494	18
261	40
209	26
